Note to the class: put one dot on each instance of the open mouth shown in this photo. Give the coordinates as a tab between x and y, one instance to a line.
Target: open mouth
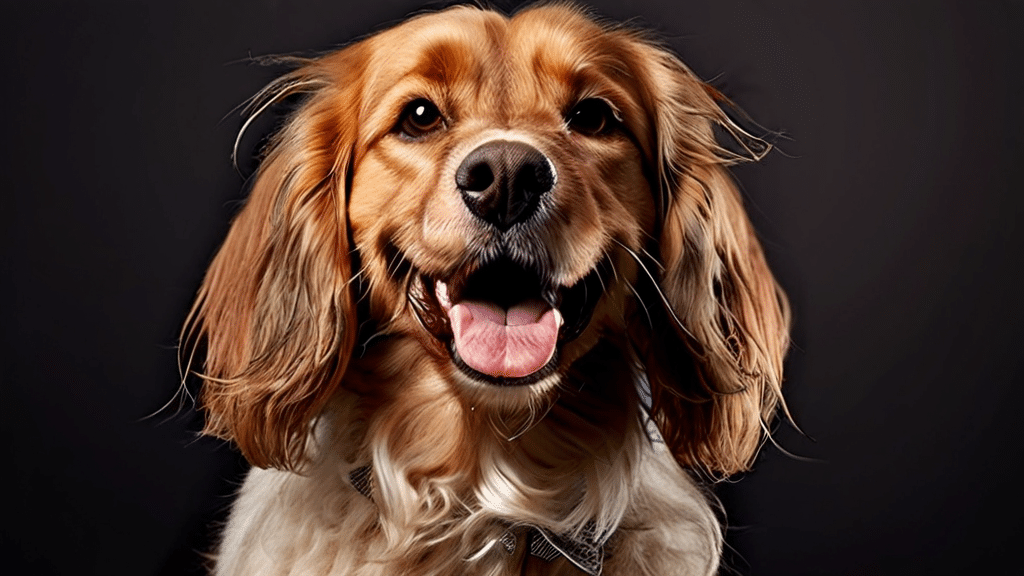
504	323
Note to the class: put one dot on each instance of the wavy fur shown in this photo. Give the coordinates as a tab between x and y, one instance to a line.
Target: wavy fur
323	346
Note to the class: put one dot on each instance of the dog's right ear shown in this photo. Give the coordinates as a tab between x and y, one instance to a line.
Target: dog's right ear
276	309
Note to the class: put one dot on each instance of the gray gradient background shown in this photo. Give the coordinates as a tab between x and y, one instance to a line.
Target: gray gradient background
890	215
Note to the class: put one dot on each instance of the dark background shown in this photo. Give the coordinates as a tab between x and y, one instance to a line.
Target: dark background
890	215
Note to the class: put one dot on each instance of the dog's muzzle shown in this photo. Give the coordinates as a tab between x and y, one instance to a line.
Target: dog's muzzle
504	317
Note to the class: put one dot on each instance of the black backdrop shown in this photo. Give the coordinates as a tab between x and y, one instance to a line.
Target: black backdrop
890	216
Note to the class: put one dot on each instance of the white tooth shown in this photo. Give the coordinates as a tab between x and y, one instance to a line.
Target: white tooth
558	318
441	289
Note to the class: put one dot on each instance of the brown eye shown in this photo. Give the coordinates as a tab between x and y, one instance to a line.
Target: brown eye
419	118
591	117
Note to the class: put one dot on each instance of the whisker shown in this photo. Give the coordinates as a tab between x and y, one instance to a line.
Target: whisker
657	289
653	259
615	271
604	288
533	420
643	304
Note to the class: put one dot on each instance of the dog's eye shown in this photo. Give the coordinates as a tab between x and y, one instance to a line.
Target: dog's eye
419	118
591	117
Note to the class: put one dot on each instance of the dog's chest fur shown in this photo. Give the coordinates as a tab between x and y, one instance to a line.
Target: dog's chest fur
286	523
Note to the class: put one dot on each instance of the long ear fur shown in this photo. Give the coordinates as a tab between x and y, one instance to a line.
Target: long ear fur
276	309
714	361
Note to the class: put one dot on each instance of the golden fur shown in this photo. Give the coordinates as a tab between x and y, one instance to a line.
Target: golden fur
320	323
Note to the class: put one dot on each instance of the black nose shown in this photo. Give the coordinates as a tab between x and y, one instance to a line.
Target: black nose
502	182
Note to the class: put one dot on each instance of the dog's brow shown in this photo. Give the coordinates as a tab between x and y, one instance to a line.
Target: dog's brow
447	61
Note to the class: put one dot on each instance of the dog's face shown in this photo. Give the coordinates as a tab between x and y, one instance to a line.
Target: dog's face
506	193
499	170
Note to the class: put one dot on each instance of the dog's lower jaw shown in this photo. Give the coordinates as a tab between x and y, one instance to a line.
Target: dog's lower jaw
485	395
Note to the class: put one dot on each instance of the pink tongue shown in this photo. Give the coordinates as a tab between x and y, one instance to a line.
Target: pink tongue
508	344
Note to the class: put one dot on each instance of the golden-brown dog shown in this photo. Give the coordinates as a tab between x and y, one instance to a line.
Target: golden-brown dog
492	293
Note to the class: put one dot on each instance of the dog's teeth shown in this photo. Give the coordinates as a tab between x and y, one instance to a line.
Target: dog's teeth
441	289
558	317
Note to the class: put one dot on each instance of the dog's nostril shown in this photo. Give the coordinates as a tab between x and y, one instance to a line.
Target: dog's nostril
502	182
534	177
475	178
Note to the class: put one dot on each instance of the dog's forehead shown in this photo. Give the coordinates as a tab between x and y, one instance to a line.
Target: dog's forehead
548	53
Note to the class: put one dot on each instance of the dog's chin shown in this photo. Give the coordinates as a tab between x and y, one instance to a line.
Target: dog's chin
504	324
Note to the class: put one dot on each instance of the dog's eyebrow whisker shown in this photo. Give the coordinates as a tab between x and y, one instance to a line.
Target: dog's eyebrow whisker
654	282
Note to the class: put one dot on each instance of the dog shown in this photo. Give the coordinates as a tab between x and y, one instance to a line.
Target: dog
493	307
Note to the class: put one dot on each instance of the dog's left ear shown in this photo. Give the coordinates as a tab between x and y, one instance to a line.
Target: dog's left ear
714	357
276	308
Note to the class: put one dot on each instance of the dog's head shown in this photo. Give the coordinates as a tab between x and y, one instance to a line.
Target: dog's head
507	193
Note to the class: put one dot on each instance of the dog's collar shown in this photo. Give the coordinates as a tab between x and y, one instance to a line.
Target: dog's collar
585	551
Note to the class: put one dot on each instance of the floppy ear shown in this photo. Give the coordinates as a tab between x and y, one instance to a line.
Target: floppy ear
714	361
275	308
